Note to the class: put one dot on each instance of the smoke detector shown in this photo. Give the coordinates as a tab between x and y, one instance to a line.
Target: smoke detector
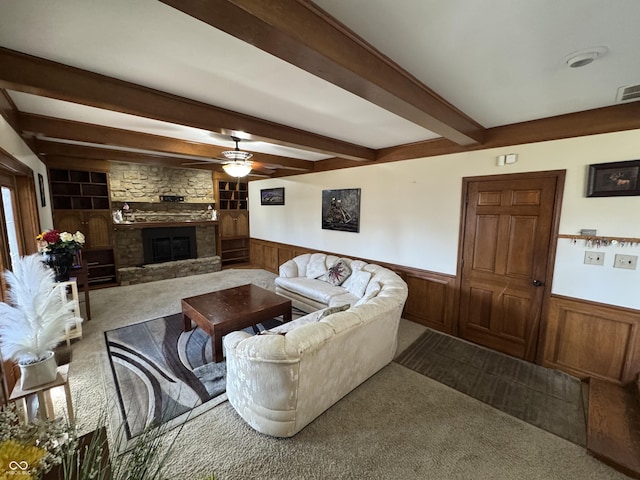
584	57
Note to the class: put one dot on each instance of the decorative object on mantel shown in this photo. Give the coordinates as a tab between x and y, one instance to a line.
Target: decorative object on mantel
239	164
214	212
614	179
117	216
59	249
171	198
35	321
603	241
341	210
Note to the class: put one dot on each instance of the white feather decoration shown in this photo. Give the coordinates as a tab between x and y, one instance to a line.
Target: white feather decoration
35	321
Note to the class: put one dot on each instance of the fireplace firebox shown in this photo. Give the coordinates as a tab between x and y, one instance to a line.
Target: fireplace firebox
169	243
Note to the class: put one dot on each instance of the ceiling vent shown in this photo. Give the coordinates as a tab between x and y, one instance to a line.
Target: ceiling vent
628	93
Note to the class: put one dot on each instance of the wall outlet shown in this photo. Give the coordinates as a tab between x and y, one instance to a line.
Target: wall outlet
626	261
594	258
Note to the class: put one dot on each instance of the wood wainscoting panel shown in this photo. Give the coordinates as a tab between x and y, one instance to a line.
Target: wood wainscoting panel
589	339
431	299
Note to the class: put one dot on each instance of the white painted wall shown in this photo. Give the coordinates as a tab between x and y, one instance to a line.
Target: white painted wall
13	144
410	211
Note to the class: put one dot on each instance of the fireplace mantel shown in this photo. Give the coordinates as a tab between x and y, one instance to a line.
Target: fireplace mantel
129	225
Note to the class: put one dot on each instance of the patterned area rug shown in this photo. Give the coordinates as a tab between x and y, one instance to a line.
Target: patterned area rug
547	398
163	374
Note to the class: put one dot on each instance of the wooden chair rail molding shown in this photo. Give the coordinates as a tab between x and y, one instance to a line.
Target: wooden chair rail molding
431	300
589	339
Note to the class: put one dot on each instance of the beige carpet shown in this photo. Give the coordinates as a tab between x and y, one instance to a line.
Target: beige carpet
397	425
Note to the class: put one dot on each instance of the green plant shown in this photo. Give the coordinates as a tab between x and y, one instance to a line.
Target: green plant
36	319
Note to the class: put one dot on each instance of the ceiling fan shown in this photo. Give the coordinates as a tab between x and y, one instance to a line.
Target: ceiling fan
236	162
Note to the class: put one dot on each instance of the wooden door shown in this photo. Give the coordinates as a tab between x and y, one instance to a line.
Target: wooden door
69	221
98	228
234	224
506	257
242	223
227	225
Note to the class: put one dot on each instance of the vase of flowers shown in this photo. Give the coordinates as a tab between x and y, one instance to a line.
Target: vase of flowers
35	321
59	249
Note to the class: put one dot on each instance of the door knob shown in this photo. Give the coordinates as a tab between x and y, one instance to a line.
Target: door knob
537	283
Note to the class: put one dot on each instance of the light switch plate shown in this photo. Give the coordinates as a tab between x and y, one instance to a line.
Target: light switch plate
593	258
626	261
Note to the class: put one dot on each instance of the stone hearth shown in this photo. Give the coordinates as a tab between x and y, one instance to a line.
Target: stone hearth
162	271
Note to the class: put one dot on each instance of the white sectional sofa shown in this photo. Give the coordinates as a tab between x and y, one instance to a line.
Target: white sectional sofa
283	379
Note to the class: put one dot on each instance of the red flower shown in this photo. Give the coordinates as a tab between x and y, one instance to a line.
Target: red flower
52	236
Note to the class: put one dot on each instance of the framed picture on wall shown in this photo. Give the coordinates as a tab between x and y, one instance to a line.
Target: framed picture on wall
614	179
341	210
272	196
43	201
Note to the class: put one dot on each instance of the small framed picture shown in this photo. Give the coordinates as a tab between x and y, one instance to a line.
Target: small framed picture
614	179
272	196
43	201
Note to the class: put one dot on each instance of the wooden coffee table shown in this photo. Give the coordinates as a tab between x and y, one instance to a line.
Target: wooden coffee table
224	311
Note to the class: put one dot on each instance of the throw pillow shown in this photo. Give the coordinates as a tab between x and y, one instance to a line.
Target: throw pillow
331	310
337	273
358	282
316	267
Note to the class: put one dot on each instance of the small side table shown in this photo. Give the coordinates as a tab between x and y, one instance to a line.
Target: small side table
45	404
82	276
76	330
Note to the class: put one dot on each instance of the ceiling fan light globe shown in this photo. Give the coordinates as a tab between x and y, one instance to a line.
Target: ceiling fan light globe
237	168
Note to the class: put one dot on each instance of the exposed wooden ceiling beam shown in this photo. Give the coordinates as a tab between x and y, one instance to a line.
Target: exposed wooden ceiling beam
590	122
302	34
85	132
8	109
38	76
57	149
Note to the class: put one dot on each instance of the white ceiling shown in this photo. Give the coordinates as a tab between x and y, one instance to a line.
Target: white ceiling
498	61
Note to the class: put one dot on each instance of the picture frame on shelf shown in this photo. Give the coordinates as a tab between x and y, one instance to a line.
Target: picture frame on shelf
614	179
272	196
341	210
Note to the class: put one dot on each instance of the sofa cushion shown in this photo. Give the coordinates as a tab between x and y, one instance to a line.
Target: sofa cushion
345	298
371	291
356	264
316	266
337	273
357	282
314	289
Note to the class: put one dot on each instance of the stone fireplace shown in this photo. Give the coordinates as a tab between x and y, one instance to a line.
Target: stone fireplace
162	239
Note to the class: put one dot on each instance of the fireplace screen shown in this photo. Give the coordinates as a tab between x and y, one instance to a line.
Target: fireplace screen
169	243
